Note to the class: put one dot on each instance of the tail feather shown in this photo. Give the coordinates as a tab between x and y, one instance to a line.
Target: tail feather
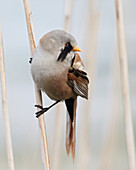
69	134
71	128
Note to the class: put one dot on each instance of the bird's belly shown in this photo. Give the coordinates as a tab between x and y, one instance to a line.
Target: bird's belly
56	88
53	83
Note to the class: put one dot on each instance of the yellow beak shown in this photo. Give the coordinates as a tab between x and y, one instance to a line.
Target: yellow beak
77	49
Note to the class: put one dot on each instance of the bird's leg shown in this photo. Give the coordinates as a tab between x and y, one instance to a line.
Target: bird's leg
44	109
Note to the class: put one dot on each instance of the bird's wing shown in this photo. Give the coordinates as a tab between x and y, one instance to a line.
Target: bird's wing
77	78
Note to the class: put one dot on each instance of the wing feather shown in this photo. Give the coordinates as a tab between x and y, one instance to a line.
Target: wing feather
78	81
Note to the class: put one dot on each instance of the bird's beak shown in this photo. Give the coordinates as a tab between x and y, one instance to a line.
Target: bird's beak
77	49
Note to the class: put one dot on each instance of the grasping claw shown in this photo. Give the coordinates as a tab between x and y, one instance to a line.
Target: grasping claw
44	109
38	106
39	113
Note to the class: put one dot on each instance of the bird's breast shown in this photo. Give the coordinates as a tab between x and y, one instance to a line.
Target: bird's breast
51	77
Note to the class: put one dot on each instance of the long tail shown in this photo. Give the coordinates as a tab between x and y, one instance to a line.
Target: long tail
71	105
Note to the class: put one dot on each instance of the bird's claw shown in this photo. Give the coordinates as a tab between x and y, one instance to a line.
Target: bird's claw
38	106
41	111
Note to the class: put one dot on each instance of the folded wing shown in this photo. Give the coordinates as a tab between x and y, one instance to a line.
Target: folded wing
77	78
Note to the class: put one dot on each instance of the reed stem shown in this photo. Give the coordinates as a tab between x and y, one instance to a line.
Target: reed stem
5	107
125	86
68	14
37	91
59	120
91	42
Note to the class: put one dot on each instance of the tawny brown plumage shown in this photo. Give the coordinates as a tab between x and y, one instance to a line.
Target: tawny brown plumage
81	80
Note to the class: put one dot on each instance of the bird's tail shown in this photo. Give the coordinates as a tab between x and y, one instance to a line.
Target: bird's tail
71	128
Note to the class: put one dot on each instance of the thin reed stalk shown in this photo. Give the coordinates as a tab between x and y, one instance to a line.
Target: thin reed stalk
109	150
37	91
5	107
91	40
125	86
67	21
68	14
59	120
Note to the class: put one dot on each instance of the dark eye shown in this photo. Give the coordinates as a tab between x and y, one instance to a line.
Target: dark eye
67	44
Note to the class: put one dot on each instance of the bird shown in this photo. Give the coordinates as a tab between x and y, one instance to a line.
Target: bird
58	70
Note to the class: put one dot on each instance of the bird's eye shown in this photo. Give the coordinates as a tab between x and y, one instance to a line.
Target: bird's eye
66	44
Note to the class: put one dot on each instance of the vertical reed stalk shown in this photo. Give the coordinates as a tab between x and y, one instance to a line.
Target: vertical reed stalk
5	107
125	86
67	20
37	92
91	40
109	150
68	14
58	120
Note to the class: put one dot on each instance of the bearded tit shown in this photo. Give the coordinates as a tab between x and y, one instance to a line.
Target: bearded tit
58	71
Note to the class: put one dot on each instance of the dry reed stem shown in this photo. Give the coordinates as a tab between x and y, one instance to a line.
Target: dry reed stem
111	142
5	107
58	128
68	14
37	92
125	86
58	120
91	38
67	21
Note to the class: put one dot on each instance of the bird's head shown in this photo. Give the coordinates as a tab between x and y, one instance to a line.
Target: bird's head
60	45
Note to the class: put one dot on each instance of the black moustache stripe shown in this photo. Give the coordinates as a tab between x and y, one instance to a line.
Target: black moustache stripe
64	52
72	62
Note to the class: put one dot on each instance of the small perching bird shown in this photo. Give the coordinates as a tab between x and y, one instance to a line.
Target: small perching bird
59	72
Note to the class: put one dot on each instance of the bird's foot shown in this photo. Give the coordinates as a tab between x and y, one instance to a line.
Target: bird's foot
42	111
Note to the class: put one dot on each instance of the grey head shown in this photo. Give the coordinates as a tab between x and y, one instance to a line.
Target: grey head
59	44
